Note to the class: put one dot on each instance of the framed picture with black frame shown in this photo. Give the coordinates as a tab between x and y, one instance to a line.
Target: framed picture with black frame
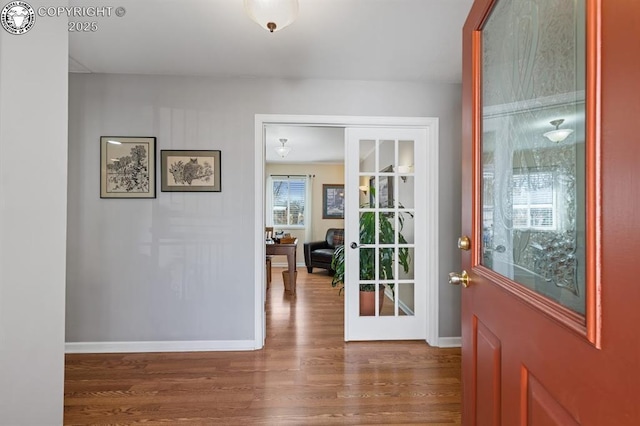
385	196
127	167
190	170
332	201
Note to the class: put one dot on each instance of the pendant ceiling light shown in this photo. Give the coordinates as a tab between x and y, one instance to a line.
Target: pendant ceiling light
558	135
283	151
272	15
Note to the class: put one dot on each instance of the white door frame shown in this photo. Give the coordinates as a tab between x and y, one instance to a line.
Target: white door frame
428	123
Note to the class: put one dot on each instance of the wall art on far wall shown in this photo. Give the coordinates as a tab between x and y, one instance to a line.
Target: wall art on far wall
127	167
385	197
332	201
190	171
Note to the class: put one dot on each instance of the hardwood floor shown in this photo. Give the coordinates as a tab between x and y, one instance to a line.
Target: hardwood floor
305	375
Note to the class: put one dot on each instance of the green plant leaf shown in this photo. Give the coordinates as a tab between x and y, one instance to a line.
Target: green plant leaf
386	258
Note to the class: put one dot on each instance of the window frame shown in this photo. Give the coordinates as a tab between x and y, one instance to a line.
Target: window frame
529	205
271	201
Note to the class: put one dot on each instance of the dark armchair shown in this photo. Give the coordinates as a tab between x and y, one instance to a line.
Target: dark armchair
318	254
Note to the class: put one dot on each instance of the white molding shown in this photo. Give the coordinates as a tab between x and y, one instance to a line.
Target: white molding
449	342
405	308
260	297
175	346
285	264
342	121
401	305
539	103
433	263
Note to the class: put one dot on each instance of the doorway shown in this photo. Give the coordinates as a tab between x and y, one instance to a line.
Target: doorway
431	126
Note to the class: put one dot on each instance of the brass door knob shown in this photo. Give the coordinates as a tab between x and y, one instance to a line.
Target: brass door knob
457	279
464	243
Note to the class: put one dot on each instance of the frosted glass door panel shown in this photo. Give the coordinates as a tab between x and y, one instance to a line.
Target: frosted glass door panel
533	153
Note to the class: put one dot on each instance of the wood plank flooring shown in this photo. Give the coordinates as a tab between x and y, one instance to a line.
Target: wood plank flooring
305	375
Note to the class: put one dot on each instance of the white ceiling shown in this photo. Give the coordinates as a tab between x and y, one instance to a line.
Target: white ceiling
417	40
397	40
317	144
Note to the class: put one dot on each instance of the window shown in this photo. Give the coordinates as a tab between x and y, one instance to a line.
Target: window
534	201
288	201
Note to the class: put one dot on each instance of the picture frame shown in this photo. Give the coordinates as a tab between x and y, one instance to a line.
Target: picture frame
385	198
332	201
127	167
190	170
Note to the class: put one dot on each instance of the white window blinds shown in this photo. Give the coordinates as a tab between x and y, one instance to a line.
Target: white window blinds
534	201
288	196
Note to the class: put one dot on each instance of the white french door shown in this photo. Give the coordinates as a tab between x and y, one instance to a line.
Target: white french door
389	233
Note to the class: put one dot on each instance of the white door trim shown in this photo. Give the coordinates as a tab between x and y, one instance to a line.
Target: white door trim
430	123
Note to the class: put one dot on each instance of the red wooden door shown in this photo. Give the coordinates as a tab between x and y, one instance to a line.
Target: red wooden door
551	314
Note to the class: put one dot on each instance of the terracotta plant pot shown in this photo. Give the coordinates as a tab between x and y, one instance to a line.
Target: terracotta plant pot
367	302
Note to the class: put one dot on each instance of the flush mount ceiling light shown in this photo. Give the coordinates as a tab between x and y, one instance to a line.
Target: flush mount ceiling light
405	169
272	15
558	135
283	151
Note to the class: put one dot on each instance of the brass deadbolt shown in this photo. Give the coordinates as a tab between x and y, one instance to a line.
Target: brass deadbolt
464	243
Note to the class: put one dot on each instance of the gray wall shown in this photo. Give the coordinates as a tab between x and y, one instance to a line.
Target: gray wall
177	267
33	204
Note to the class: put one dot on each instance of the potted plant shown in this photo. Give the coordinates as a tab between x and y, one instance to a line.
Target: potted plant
367	261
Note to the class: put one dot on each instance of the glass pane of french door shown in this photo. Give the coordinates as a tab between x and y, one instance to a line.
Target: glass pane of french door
386	232
533	147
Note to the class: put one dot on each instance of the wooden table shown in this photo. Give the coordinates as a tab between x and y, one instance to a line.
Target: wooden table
288	250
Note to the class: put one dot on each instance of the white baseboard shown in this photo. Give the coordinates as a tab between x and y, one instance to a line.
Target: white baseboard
450	342
401	305
175	346
285	264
